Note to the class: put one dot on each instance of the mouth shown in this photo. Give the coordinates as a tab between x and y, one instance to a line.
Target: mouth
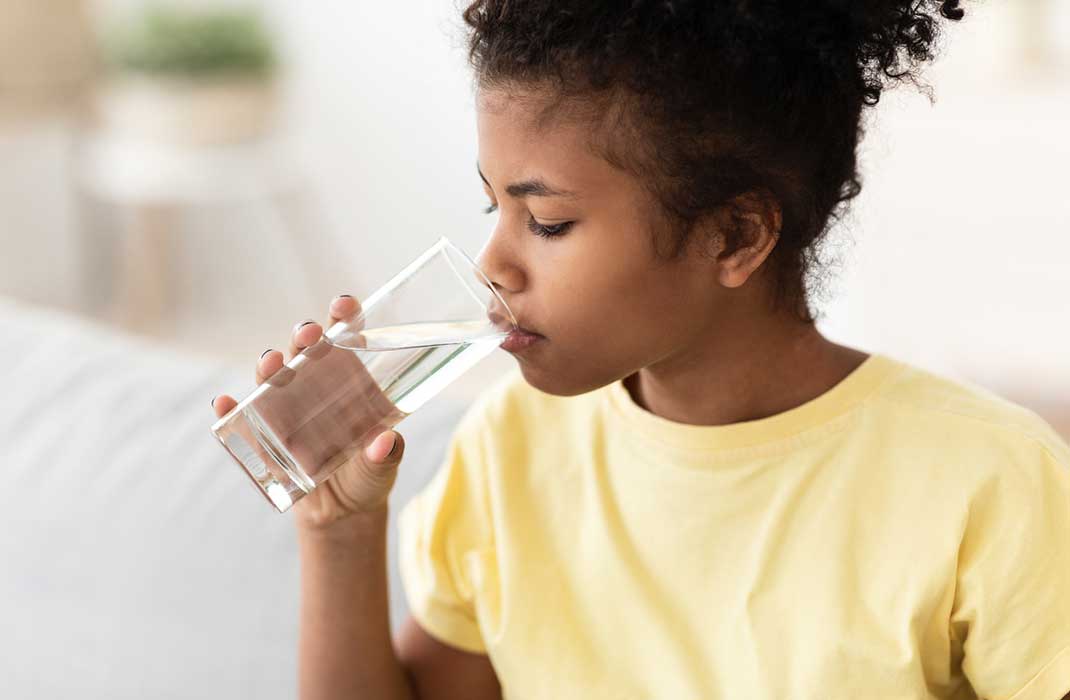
527	331
500	320
520	339
505	321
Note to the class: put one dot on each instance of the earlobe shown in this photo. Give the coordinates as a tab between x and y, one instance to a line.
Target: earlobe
737	268
732	275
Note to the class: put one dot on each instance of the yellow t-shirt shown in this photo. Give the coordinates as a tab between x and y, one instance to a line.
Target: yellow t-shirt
901	536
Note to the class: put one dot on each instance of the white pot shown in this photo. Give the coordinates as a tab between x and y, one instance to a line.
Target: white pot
188	111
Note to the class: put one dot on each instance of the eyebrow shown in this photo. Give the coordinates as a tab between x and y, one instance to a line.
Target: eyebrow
533	188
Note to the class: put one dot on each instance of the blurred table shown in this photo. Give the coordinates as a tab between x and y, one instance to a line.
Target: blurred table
153	183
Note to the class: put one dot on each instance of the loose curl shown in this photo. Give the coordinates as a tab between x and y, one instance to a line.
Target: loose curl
711	100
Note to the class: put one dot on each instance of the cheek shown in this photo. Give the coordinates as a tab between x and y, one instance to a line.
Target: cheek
603	324
611	307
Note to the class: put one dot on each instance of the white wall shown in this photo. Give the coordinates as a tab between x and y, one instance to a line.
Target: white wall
381	110
962	255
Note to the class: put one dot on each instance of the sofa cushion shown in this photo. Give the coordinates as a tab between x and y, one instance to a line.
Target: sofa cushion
139	560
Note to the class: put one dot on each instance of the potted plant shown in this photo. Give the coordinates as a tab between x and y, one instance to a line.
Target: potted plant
187	75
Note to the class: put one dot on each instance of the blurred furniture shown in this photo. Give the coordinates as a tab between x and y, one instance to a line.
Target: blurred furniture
139	560
48	65
184	115
1044	32
46	58
152	183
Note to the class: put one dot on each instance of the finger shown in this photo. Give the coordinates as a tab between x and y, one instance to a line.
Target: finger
386	449
342	308
222	405
269	363
304	334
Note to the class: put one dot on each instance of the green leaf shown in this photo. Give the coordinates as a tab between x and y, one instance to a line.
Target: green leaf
176	41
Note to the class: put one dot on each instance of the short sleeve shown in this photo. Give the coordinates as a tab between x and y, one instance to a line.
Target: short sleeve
439	531
1011	611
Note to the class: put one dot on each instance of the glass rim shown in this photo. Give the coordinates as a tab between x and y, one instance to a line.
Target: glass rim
479	271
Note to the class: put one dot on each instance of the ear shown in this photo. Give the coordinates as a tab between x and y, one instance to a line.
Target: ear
750	229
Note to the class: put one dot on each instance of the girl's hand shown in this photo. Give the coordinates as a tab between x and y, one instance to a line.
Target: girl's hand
361	485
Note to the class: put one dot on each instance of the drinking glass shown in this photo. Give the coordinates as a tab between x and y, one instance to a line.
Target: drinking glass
424	328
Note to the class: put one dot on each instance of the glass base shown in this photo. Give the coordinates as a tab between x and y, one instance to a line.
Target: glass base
263	459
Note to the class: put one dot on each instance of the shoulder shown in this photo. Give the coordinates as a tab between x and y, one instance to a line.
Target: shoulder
973	419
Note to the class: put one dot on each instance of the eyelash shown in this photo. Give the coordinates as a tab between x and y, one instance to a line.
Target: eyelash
538	229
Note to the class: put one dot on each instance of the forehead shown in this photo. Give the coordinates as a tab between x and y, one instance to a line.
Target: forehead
522	133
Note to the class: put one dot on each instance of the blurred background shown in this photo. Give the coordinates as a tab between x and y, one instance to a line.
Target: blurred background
184	182
210	184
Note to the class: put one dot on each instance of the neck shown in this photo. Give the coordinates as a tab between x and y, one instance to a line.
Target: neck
756	370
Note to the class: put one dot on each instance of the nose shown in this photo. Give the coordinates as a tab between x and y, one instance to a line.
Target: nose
500	266
502	271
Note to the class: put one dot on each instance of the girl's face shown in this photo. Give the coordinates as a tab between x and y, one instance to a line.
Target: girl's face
572	253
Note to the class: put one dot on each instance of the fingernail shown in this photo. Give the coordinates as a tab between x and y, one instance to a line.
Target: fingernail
265	352
368	451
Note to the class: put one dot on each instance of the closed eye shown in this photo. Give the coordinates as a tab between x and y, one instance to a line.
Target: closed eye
548	231
543	230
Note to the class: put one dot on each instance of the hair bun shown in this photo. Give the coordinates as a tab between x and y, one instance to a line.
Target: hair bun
883	40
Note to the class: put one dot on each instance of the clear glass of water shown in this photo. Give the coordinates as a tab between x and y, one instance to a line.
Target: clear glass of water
425	327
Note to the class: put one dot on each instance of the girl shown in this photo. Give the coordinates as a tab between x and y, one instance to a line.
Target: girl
685	490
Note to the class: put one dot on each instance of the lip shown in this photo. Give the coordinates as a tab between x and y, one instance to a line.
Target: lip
520	339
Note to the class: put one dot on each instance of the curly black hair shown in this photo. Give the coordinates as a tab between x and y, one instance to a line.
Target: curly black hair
724	97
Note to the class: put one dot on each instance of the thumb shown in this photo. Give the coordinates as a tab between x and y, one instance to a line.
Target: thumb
386	447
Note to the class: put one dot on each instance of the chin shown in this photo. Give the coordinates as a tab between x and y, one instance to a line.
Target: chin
557	384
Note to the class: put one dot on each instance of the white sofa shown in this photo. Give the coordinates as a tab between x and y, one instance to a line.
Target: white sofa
136	558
